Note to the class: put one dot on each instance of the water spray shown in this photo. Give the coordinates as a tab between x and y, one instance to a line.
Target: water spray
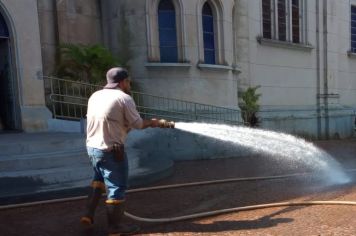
285	148
259	141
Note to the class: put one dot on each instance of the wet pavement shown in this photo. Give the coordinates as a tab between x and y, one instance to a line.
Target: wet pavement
63	218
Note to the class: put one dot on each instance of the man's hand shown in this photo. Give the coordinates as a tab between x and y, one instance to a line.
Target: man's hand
154	123
166	124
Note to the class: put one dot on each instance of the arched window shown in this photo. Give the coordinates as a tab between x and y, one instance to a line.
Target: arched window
167	31
208	34
4	32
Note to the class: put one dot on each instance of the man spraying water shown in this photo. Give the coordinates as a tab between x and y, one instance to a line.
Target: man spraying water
111	114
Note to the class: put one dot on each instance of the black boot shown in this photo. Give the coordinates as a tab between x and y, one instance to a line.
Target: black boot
115	214
93	200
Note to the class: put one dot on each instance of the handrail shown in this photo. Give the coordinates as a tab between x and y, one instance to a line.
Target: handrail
68	100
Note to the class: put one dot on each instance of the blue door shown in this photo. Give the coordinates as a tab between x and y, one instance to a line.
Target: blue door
9	109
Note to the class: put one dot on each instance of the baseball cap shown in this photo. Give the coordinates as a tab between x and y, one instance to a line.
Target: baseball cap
114	76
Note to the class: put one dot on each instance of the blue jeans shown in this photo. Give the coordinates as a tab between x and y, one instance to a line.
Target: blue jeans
112	172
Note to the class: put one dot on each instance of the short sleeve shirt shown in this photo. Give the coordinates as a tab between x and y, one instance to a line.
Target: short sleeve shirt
111	114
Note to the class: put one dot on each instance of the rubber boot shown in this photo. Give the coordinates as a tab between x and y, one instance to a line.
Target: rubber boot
93	200
115	212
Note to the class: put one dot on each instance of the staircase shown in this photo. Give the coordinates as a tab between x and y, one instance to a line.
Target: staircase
42	166
34	164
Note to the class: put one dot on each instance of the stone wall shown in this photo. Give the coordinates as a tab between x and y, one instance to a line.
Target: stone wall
188	79
67	21
26	62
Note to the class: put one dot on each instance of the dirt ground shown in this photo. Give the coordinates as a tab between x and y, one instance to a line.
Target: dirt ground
63	219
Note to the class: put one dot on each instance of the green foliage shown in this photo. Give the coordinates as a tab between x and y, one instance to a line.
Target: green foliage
87	63
249	105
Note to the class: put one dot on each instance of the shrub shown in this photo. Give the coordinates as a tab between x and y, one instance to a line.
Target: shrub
86	63
249	106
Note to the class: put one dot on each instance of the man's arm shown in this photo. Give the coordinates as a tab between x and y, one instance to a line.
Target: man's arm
157	123
150	123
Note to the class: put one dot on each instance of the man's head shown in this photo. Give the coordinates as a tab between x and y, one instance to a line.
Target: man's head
118	77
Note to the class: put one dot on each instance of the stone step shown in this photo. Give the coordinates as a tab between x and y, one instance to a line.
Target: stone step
46	165
36	170
17	186
38	178
17	144
45	192
37	161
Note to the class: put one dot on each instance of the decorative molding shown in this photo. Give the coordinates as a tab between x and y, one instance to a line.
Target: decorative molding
351	54
236	69
167	65
215	67
284	44
329	95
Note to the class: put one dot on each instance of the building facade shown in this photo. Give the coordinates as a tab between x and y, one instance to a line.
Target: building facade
22	93
300	52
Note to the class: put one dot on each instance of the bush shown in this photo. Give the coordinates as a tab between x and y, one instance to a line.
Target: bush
249	106
86	63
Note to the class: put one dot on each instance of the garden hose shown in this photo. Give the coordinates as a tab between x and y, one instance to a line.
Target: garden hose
202	214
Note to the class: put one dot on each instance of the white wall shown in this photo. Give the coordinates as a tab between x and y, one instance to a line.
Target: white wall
288	75
343	67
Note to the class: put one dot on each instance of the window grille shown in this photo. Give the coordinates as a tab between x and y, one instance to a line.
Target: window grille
283	20
295	21
267	19
353	29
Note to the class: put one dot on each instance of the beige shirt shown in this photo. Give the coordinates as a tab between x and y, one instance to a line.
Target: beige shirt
111	114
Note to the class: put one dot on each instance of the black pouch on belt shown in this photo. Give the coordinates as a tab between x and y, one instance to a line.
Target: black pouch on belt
119	151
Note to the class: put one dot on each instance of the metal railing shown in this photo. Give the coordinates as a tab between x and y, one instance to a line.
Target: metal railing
68	100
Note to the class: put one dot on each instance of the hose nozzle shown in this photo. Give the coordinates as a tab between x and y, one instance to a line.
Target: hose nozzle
171	124
166	124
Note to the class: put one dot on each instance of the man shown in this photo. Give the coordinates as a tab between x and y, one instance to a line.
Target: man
111	114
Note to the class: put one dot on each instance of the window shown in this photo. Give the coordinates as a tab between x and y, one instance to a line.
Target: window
353	29
166	41
267	19
167	32
283	20
3	28
211	34
208	34
295	21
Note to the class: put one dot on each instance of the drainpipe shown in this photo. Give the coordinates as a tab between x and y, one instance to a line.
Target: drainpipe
318	92
56	28
325	62
101	19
